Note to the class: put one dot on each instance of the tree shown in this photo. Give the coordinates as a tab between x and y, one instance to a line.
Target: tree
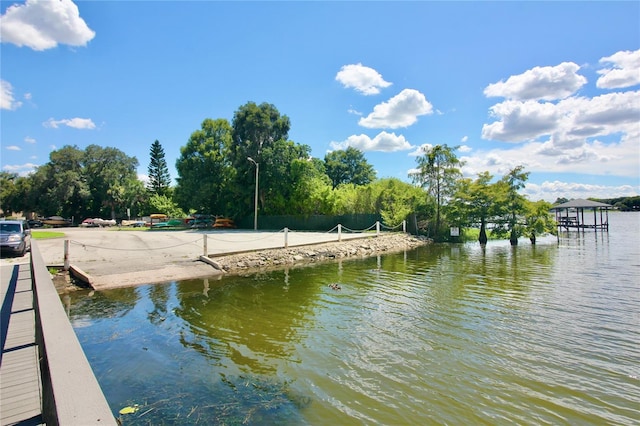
312	191
396	200
510	204
61	185
256	131
8	193
256	127
163	204
82	183
107	170
348	166
277	180
204	169
159	177
474	202
438	171
538	219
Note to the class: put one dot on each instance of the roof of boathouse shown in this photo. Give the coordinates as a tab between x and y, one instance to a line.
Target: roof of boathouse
581	204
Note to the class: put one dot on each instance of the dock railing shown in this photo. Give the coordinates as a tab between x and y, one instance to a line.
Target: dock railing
71	394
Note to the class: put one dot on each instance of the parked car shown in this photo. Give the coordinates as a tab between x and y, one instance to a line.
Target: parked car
15	237
35	223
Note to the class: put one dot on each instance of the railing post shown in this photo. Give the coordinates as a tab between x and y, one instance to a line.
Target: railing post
66	255
377	228
404	226
204	245
286	237
339	232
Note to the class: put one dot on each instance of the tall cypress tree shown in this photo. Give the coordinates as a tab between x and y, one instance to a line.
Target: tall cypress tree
159	177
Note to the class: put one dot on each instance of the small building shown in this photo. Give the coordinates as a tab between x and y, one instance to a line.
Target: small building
570	215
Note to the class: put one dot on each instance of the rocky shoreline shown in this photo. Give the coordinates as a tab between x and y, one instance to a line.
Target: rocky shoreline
254	261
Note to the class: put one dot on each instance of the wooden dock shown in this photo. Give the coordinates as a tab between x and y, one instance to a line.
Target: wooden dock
20	384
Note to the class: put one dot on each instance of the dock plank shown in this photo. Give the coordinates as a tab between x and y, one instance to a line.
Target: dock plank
20	383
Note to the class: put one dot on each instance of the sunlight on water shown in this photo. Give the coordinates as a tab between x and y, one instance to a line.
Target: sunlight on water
451	334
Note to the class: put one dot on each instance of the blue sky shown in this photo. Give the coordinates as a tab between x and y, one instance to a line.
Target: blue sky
552	86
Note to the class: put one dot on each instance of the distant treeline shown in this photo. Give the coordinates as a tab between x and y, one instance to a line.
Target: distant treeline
625	204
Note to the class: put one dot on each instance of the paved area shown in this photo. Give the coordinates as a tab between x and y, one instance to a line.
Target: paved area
119	257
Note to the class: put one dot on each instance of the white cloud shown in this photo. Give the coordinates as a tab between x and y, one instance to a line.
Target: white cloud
385	142
465	148
618	158
7	100
569	123
363	79
76	123
42	24
521	121
27	96
551	191
625	71
20	169
13	148
400	111
539	83
464	139
29	139
420	150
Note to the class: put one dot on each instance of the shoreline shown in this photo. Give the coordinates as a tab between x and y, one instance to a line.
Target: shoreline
241	263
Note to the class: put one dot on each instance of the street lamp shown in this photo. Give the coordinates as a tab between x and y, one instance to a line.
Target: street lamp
255	213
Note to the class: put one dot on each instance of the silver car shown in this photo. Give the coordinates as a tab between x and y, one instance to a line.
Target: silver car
15	237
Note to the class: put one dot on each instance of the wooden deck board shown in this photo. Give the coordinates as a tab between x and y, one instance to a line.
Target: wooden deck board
20	383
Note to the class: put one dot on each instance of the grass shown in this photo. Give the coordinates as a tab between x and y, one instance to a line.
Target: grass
43	235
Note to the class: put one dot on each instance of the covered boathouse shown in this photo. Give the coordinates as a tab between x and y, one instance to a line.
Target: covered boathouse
570	215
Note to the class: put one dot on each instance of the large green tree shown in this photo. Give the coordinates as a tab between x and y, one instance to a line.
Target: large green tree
538	219
79	183
261	133
348	166
474	202
107	170
396	200
312	190
438	172
277	177
204	169
9	198
511	205
159	176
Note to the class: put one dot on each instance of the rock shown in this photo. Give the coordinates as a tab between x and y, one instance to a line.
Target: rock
274	258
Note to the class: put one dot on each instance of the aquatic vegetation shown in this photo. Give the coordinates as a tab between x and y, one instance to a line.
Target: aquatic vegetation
233	400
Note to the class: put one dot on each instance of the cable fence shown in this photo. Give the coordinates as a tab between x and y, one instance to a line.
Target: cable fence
215	243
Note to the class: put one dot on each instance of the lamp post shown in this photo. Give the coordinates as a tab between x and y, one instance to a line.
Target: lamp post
255	201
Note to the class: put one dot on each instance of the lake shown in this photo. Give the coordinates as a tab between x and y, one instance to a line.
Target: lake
444	334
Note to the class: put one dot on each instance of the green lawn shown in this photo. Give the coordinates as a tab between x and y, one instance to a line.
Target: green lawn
43	235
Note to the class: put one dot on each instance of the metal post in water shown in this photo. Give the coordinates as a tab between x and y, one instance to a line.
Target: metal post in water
286	237
204	244
66	255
